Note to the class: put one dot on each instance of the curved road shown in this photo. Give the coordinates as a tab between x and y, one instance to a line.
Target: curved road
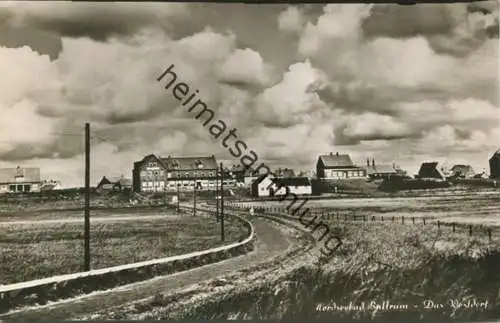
271	242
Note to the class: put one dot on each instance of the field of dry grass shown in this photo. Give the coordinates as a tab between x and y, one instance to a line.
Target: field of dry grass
37	250
405	264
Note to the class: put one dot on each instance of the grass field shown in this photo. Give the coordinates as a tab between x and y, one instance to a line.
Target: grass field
401	263
463	207
37	250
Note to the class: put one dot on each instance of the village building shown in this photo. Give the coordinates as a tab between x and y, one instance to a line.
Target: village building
383	171
238	172
250	176
268	186
338	166
296	185
114	184
158	174
229	179
262	186
462	171
431	170
495	165
284	173
50	185
20	180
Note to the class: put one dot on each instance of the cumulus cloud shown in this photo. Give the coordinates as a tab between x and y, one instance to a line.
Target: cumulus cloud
245	66
295	96
374	126
291	20
369	80
338	22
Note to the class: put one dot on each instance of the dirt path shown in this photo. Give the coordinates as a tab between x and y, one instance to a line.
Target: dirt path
272	241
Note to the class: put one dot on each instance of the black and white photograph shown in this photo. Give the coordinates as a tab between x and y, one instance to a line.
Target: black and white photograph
249	161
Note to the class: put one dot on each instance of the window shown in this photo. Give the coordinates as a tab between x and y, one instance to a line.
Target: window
27	188
19	188
12	188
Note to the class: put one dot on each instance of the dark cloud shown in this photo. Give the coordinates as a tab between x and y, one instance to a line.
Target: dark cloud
98	21
341	139
442	24
398	21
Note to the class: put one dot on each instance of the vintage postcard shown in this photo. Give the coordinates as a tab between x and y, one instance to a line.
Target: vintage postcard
250	161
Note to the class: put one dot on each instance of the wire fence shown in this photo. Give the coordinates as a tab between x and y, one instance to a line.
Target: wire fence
334	214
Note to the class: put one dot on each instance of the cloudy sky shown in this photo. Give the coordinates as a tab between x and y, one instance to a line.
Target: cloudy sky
398	83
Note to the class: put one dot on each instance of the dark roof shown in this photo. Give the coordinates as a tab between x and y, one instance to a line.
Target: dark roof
8	175
496	154
118	180
260	179
185	163
292	181
430	170
336	160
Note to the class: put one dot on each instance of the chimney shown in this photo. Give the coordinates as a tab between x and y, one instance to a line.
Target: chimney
368	162
337	153
373	162
331	154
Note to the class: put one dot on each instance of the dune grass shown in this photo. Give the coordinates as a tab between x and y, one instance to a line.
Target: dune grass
32	251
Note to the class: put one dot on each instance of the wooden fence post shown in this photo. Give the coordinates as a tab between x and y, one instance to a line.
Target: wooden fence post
489	234
470	230
439	224
403	219
413	219
453	226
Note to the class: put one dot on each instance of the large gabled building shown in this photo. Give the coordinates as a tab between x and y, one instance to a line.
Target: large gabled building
20	180
158	174
431	171
338	166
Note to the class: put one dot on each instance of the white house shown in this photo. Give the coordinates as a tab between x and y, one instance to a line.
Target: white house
267	185
295	185
262	186
19	180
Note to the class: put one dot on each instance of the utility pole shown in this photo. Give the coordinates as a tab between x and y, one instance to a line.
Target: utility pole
178	198
87	199
194	198
164	192
217	195
221	202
